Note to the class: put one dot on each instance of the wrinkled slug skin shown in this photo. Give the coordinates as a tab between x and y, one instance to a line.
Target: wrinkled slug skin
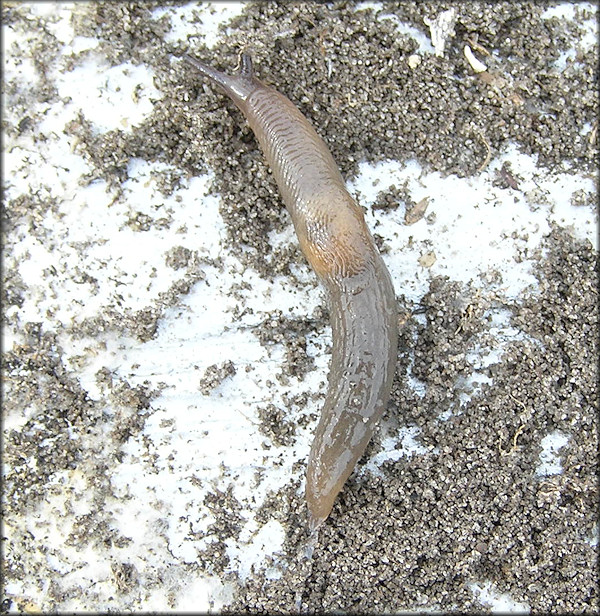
337	243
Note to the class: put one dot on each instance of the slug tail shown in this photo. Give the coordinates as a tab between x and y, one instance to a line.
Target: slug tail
314	521
364	330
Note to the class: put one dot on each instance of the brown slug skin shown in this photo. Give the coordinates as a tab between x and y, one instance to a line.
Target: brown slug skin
337	243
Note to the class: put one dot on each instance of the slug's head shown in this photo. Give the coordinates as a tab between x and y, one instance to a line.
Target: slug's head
239	86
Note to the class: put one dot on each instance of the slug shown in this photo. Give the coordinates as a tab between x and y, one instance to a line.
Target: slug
334	237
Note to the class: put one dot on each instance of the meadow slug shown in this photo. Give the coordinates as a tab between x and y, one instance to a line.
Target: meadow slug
334	237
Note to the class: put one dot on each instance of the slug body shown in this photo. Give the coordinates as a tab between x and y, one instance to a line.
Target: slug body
337	243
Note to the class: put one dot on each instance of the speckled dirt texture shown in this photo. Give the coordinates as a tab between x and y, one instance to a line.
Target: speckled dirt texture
473	509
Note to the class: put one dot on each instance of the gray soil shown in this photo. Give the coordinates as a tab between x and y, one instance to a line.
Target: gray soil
471	510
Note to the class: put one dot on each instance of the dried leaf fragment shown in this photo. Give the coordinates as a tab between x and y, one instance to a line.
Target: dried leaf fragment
414	214
428	259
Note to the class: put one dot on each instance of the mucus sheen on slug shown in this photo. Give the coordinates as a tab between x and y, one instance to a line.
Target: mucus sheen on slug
336	241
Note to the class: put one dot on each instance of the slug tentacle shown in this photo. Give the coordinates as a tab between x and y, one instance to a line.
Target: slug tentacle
245	65
239	86
335	239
